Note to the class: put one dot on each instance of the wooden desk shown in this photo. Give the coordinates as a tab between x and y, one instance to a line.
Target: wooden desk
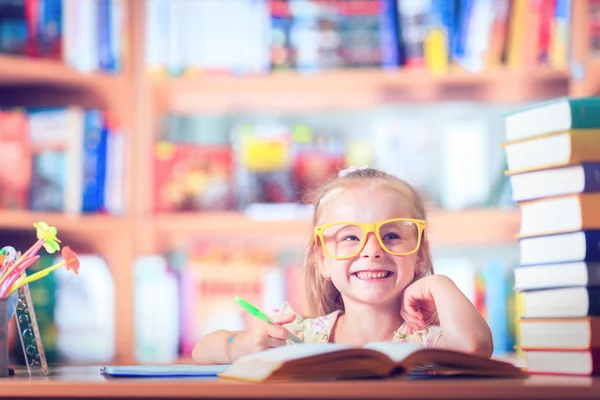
87	382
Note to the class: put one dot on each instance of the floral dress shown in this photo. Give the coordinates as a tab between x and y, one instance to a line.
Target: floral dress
318	330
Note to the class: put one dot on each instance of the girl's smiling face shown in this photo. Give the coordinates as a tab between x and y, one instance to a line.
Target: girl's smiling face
373	276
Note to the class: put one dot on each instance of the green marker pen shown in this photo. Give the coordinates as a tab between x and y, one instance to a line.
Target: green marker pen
260	315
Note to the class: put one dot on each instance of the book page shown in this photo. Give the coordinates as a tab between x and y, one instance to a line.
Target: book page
293	352
396	351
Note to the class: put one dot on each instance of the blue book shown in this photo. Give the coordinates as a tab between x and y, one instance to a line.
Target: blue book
570	179
548	276
105	57
95	138
458	40
49	29
389	41
560	248
163	371
562	302
497	291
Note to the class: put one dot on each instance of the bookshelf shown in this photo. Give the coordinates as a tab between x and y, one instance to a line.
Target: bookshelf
39	82
140	99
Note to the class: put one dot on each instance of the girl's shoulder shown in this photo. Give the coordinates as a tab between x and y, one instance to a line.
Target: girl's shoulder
310	330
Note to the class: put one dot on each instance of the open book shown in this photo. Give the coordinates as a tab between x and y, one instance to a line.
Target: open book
327	361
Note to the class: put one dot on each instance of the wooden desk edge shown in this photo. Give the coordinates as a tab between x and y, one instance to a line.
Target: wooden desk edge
93	385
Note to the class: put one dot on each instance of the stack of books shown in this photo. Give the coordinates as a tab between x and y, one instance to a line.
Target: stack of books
553	157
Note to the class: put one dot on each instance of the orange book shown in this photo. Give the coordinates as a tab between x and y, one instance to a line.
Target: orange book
552	150
519	15
552	215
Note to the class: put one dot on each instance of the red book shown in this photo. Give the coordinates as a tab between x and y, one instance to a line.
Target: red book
15	161
191	177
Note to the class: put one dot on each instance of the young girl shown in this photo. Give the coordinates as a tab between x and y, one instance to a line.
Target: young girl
369	278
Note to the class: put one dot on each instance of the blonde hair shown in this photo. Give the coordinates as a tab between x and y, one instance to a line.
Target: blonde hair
321	295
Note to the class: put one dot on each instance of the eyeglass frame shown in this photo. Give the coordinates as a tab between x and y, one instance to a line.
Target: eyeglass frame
366	229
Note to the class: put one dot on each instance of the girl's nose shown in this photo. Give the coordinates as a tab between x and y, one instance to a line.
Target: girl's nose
372	248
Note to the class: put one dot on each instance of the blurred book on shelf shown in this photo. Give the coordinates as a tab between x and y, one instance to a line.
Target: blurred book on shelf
156	317
552	149
314	35
87	35
193	177
248	161
63	159
487	281
15	163
594	27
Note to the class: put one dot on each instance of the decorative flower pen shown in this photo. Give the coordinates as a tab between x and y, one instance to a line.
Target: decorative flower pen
15	296
12	275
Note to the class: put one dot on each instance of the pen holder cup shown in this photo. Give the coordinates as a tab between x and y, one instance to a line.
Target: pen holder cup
7	310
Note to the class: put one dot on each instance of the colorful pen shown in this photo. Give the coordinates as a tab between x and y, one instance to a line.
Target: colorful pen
260	315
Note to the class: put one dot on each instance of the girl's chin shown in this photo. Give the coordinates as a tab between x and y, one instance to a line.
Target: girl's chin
375	300
374	294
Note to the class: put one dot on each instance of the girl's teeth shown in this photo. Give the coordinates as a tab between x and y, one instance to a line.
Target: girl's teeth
372	275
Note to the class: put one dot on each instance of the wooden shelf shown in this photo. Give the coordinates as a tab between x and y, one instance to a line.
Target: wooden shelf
172	230
225	222
481	227
343	89
20	70
470	227
36	82
23	220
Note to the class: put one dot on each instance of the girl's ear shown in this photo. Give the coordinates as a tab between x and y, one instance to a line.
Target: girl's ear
421	258
320	258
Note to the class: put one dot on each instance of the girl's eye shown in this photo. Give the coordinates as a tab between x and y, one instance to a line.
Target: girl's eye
349	238
391	236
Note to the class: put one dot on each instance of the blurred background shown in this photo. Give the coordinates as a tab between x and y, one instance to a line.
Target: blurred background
173	144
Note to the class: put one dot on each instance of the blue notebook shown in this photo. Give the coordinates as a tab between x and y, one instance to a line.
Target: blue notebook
179	370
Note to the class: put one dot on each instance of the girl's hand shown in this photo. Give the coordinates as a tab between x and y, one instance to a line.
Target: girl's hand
418	304
262	337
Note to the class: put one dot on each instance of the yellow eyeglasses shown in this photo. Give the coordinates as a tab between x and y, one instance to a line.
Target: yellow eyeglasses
397	236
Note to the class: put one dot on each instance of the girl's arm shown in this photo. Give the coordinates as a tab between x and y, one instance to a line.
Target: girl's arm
213	348
224	347
463	327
